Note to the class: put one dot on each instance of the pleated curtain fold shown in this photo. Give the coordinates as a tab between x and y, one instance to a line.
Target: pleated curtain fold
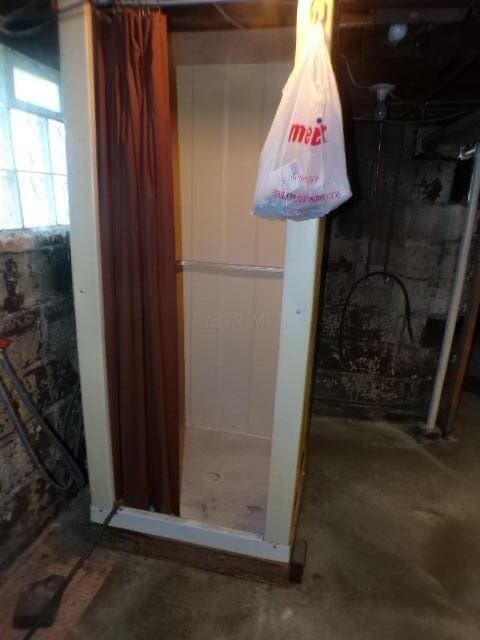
135	184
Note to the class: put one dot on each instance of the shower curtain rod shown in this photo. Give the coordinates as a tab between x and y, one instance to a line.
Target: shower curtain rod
224	266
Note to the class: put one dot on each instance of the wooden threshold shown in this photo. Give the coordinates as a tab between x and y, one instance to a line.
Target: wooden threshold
199	557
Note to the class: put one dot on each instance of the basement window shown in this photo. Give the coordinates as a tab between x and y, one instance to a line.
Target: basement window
36	90
33	167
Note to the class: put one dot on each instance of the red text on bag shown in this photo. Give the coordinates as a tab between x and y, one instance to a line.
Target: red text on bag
308	135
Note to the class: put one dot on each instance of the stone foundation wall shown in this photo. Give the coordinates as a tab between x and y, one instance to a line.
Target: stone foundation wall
381	373
36	313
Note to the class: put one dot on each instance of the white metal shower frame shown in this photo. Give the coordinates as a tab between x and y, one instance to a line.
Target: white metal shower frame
304	244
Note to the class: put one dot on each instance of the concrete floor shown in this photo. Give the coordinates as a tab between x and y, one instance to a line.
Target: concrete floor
225	479
393	529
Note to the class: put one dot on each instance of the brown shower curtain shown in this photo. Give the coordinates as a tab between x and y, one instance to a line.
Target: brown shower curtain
138	254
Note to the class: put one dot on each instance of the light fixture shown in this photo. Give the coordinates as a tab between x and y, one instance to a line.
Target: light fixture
396	33
383	90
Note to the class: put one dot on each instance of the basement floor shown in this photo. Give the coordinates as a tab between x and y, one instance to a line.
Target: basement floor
393	529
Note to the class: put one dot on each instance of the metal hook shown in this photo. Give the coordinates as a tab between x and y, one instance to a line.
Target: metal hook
316	11
140	8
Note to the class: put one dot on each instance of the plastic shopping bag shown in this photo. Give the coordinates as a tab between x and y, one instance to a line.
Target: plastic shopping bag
302	171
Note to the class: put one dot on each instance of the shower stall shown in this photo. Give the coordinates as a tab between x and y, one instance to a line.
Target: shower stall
247	291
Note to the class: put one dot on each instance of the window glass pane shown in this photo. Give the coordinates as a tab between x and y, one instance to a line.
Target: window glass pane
10	215
6	157
56	135
30	141
3	76
61	199
36	196
36	90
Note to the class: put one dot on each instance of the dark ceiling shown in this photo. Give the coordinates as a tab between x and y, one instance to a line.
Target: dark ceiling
438	59
42	44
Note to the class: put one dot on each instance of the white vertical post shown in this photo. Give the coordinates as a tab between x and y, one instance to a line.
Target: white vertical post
464	252
304	245
76	61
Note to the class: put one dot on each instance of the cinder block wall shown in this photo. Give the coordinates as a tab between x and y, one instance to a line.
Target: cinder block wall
383	374
36	312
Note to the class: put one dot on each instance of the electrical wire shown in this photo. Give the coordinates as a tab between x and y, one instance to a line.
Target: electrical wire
424	121
239	25
57	596
228	17
351	76
433	120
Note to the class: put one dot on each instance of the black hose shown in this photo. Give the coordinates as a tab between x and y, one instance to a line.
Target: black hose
28	32
73	408
384	274
76	475
24	439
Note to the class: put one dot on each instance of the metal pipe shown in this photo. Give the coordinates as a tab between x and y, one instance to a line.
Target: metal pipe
373	197
229	267
471	215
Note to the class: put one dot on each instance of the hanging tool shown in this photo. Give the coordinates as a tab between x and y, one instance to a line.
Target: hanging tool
386	275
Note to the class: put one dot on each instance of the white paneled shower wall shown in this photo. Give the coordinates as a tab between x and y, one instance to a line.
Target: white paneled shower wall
230	318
